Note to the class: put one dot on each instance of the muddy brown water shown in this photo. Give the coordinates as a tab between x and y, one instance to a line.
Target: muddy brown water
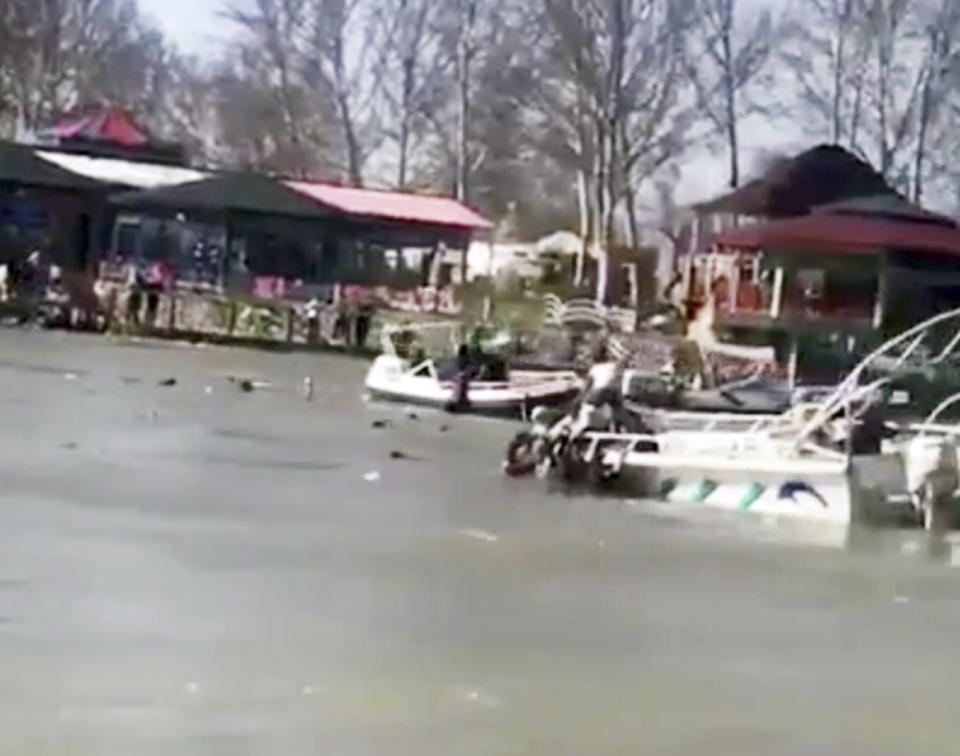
196	570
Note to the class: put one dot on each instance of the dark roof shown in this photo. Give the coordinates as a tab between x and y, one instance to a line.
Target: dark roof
840	233
247	193
20	165
794	186
890	206
252	193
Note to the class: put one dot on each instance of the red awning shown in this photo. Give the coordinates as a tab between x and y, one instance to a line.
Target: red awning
844	234
400	206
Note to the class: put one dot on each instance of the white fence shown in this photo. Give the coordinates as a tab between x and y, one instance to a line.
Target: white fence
586	312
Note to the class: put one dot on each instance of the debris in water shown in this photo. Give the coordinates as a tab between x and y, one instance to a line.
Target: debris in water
70	446
70	376
479	535
168	382
129	381
413	416
381	424
308	388
901	600
246	385
910	548
396	454
193	688
477	696
444	428
372	477
208	390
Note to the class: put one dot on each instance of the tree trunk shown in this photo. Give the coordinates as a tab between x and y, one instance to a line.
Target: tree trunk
406	103
350	137
468	12
921	146
730	100
584	207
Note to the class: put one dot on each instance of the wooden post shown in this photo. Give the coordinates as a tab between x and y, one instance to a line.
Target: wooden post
291	319
734	283
880	305
792	362
777	299
231	317
225	261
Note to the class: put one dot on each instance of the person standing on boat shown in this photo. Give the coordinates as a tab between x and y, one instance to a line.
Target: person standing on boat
604	389
465	367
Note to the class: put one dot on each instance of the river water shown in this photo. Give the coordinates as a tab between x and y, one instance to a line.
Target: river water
191	569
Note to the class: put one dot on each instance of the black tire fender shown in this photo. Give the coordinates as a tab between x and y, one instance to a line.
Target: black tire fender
521	455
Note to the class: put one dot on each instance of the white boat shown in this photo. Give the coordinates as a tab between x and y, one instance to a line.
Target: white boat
429	381
801	463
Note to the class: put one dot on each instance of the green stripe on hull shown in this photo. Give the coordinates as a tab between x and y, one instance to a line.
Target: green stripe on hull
750	496
666	488
704	490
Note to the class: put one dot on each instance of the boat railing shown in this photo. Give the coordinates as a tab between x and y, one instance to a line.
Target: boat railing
901	354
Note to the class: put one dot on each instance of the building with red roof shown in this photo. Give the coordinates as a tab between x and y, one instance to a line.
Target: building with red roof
818	273
105	131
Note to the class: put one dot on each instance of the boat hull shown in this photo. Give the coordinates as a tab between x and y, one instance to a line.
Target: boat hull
767	480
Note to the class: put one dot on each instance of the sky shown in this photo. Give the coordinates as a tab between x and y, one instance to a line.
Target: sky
192	24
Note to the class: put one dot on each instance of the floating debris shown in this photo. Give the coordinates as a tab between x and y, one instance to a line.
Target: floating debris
444	428
69	446
246	385
372	477
396	454
413	416
193	688
476	697
308	388
479	535
168	382
208	390
70	376
901	600
381	424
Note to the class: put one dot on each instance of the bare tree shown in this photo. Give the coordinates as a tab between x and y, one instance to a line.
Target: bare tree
466	50
342	52
939	22
612	76
827	49
725	55
409	73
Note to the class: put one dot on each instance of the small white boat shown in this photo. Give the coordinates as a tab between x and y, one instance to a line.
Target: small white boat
432	382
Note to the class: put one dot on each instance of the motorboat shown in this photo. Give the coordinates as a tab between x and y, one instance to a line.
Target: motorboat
826	460
753	395
404	372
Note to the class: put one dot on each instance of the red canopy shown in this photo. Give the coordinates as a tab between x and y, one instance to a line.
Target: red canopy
401	206
842	234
